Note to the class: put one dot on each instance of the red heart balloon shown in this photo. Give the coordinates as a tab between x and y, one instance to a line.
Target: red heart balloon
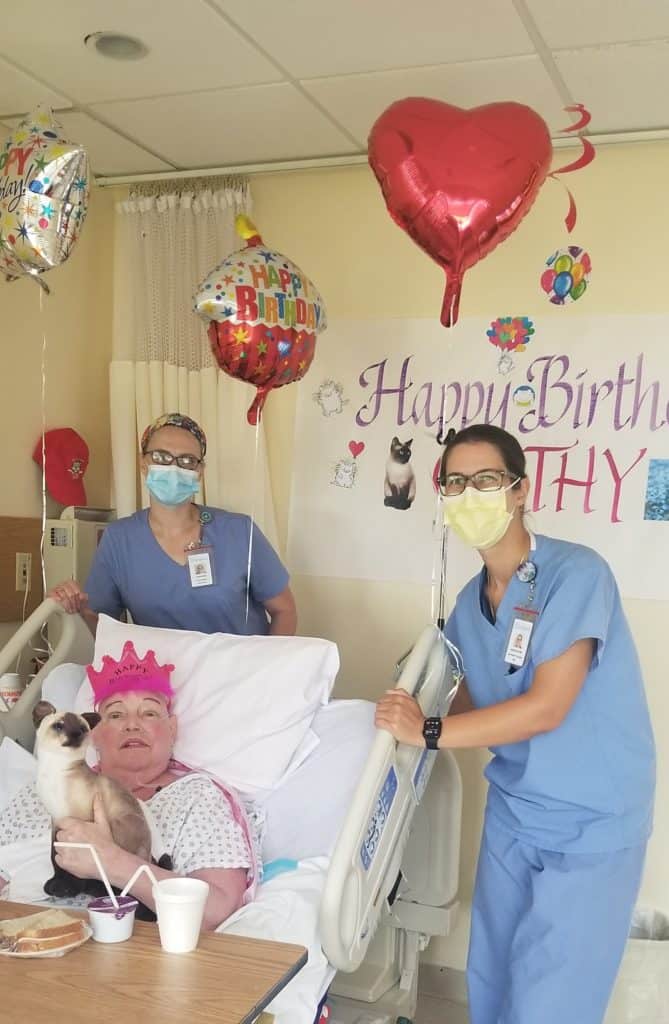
458	181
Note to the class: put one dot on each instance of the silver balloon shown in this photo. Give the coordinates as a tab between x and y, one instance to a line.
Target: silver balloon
44	187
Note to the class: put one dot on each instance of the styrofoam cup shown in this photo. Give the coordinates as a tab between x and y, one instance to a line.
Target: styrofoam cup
11	688
110	923
180	904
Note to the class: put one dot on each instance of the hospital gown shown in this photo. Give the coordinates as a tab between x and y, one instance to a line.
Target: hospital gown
569	812
192	816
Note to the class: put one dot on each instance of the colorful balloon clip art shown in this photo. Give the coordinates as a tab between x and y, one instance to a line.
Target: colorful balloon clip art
567	275
264	316
44	186
510	334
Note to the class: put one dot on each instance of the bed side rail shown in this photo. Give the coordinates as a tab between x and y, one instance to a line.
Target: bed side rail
17	722
367	857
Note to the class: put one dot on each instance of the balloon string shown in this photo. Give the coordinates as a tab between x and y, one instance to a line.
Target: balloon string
570	219
253	513
586	157
583	121
441	620
43	632
438	590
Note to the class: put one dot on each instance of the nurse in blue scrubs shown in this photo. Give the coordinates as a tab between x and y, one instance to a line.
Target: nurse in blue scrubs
178	565
553	687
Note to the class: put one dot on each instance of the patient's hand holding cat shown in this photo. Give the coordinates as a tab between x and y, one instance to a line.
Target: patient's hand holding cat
67	787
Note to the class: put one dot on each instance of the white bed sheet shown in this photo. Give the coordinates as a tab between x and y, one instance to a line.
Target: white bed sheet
286	909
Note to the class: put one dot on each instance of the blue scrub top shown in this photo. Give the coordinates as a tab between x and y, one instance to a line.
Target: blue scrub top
131	571
587	786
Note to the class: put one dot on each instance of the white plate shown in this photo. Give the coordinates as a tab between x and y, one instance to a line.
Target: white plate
61	951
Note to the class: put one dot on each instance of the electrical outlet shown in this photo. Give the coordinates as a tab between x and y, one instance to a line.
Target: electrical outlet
23	570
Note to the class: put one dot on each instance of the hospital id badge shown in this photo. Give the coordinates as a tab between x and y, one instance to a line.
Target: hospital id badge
201	567
518	641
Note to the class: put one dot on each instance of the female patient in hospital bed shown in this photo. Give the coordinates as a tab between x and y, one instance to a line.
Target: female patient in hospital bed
204	828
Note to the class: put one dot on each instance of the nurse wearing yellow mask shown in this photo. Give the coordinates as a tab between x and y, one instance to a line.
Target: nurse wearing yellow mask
553	687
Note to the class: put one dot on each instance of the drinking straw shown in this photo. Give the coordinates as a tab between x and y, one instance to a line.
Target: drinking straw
142	869
98	862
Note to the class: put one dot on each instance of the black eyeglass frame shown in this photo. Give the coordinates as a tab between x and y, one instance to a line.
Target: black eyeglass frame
168	459
500	473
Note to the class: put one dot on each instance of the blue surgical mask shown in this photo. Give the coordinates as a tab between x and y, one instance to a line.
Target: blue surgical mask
171	485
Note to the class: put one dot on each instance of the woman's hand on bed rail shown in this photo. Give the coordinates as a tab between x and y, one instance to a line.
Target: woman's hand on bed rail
73	600
69	596
400	715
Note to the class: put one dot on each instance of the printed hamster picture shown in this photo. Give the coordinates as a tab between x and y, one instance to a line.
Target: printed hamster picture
399	488
330	398
344	473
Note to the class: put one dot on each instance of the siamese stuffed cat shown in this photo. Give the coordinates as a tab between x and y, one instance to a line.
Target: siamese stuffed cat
66	785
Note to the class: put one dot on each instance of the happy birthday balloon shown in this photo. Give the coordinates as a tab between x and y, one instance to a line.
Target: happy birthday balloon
458	181
43	196
264	316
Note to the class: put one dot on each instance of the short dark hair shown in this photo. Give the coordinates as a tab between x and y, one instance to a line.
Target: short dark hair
506	444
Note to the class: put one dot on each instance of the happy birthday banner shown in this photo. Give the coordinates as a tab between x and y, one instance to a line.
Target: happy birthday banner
587	397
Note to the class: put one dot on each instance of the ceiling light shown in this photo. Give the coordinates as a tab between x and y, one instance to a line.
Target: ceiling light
116	46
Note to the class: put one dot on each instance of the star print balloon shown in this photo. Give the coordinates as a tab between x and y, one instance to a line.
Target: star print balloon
43	196
264	316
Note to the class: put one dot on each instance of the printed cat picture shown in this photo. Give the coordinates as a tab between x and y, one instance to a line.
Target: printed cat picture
399	487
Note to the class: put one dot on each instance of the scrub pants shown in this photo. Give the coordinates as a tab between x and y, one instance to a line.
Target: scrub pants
548	931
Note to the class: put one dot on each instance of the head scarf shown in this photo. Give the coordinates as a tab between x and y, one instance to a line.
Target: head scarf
175	419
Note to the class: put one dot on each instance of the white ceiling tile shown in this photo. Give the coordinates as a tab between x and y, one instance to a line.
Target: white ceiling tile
597	22
311	38
625	87
108	152
357	100
230	126
191	47
20	92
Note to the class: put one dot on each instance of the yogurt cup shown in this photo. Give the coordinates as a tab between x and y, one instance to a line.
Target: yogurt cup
110	924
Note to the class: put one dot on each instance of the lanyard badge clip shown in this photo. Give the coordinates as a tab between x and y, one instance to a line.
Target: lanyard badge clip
524	619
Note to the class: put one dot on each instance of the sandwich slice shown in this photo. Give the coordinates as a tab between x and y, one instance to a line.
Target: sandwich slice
43	932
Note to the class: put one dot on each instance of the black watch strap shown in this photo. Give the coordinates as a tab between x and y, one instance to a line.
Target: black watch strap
432	732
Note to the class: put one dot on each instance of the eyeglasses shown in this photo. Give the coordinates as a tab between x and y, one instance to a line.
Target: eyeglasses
484	480
161	458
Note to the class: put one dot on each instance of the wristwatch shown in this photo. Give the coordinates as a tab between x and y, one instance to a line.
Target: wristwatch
432	732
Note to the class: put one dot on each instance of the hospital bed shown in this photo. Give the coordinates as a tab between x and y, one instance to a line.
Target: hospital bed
16	723
378	869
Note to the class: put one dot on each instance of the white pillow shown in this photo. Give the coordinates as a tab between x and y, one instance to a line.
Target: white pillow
62	685
17	769
244	704
305	813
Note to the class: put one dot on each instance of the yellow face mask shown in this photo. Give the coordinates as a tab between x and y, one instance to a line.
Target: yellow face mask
480	518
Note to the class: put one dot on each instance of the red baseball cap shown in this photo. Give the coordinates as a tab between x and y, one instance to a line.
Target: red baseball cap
66	455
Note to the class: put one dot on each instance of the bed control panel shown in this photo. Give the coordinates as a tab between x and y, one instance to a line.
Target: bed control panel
378	819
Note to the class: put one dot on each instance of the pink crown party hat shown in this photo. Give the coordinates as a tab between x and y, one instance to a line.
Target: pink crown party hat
130	673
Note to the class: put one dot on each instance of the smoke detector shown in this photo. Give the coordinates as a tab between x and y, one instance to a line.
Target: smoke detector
116	45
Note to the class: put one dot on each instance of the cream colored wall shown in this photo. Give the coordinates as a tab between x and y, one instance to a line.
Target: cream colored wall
76	320
335	226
